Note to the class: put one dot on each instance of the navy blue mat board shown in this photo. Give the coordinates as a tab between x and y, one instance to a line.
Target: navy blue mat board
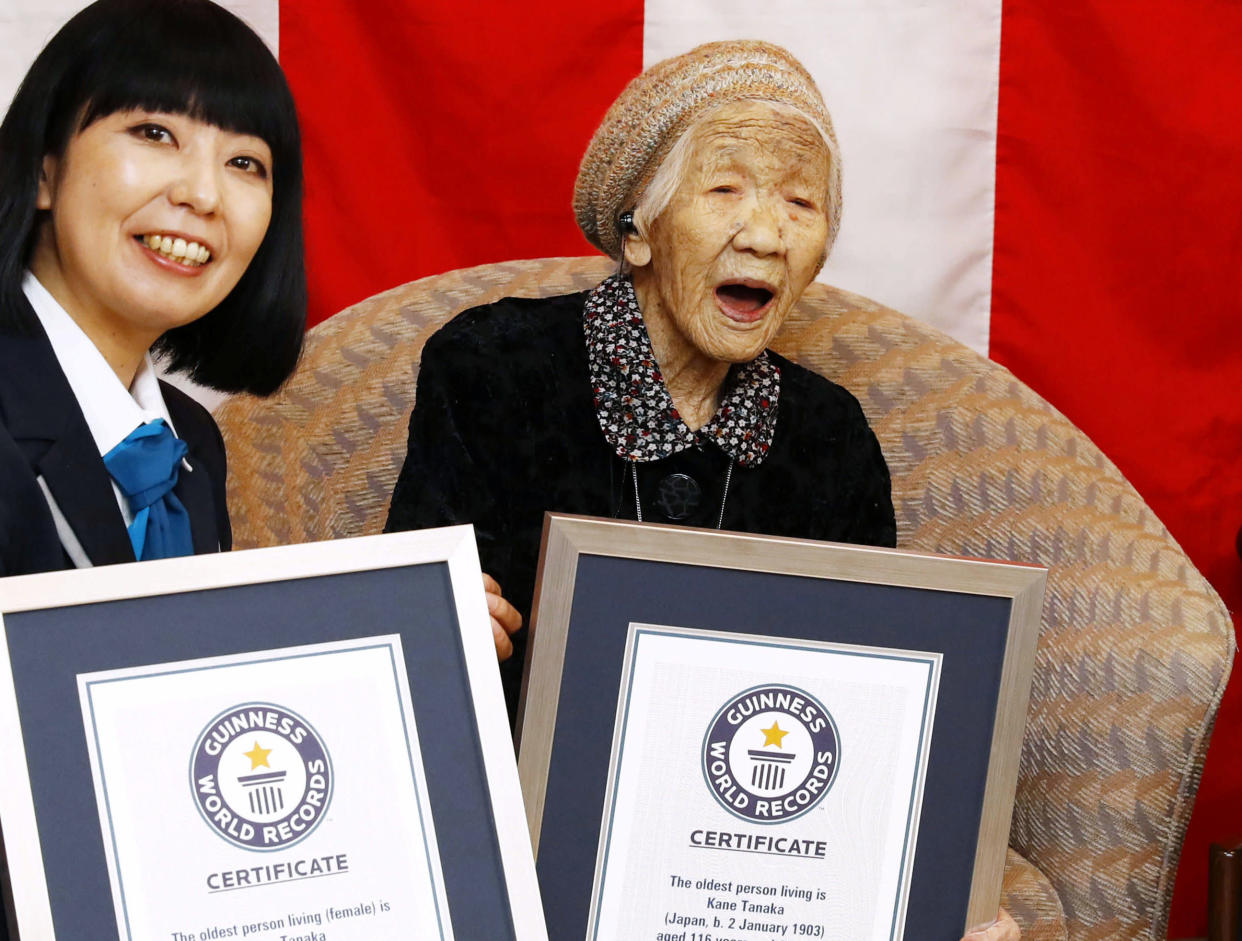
49	647
610	593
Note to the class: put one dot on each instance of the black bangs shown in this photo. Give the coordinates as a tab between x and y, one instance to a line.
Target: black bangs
180	56
187	57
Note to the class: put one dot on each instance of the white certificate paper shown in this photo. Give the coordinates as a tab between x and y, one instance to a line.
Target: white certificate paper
269	795
762	788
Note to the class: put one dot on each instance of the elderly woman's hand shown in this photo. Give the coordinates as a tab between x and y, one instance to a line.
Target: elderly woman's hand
506	619
1003	929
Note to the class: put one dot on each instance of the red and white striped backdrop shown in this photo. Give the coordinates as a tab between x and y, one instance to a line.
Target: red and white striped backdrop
1059	185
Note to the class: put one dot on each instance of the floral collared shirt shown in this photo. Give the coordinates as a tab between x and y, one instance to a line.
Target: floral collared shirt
635	410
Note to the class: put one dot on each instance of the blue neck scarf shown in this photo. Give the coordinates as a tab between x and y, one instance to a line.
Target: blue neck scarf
145	466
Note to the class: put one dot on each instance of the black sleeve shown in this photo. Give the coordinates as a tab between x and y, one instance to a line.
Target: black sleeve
447	477
450	474
874	523
836	461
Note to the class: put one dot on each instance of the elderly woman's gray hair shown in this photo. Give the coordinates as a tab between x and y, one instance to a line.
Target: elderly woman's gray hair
633	160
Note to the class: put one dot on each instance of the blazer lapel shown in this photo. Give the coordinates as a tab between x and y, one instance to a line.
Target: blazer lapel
195	488
82	488
194	491
44	420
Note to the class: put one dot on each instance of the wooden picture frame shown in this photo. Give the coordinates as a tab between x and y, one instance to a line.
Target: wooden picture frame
381	645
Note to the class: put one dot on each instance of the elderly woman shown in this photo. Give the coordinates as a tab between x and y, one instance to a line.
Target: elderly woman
715	181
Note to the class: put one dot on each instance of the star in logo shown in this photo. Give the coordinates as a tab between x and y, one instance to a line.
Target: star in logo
773	735
258	756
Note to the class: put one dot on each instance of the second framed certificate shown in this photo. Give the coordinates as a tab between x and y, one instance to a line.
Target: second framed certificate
742	737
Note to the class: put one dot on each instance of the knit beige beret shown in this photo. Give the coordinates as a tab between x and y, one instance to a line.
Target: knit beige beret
658	106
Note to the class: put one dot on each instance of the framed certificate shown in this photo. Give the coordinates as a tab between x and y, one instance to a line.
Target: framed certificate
298	743
743	737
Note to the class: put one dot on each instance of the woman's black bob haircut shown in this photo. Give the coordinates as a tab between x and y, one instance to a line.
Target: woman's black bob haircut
185	57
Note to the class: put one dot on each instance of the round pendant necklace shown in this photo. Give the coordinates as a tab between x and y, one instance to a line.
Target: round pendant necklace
680	495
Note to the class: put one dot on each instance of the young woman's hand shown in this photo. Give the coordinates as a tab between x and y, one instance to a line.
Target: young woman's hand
1003	929
505	618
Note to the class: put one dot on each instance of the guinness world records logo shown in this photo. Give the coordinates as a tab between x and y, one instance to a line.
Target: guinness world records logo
261	776
771	753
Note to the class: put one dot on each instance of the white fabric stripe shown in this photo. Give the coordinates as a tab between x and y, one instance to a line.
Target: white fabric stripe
912	88
68	538
27	25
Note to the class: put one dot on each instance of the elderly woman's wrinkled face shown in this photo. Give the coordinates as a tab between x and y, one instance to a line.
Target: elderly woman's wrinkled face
743	236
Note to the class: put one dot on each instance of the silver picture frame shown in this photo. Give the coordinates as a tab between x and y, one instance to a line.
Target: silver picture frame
600	580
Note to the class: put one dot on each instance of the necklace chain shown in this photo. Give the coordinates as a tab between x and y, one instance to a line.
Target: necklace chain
724	497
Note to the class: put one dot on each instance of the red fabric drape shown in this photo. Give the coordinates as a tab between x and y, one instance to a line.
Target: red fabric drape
440	135
1117	288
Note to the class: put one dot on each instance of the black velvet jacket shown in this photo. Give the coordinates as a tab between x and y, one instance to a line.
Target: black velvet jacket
504	429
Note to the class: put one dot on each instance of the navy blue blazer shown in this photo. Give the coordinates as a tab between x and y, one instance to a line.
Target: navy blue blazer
44	434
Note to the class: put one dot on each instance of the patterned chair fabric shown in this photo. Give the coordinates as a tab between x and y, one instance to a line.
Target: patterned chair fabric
1135	646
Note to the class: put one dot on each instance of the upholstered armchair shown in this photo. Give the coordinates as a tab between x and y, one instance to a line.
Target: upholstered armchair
1135	646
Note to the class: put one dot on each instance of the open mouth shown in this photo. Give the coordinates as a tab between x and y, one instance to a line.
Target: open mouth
188	253
744	301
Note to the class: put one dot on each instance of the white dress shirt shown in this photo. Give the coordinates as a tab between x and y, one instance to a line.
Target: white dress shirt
111	410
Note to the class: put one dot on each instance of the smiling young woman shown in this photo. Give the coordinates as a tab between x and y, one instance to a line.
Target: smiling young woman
150	202
152	218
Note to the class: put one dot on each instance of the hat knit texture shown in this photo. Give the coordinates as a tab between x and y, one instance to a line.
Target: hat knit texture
658	106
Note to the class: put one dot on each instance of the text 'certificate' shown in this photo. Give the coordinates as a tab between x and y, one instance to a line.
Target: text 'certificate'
762	788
